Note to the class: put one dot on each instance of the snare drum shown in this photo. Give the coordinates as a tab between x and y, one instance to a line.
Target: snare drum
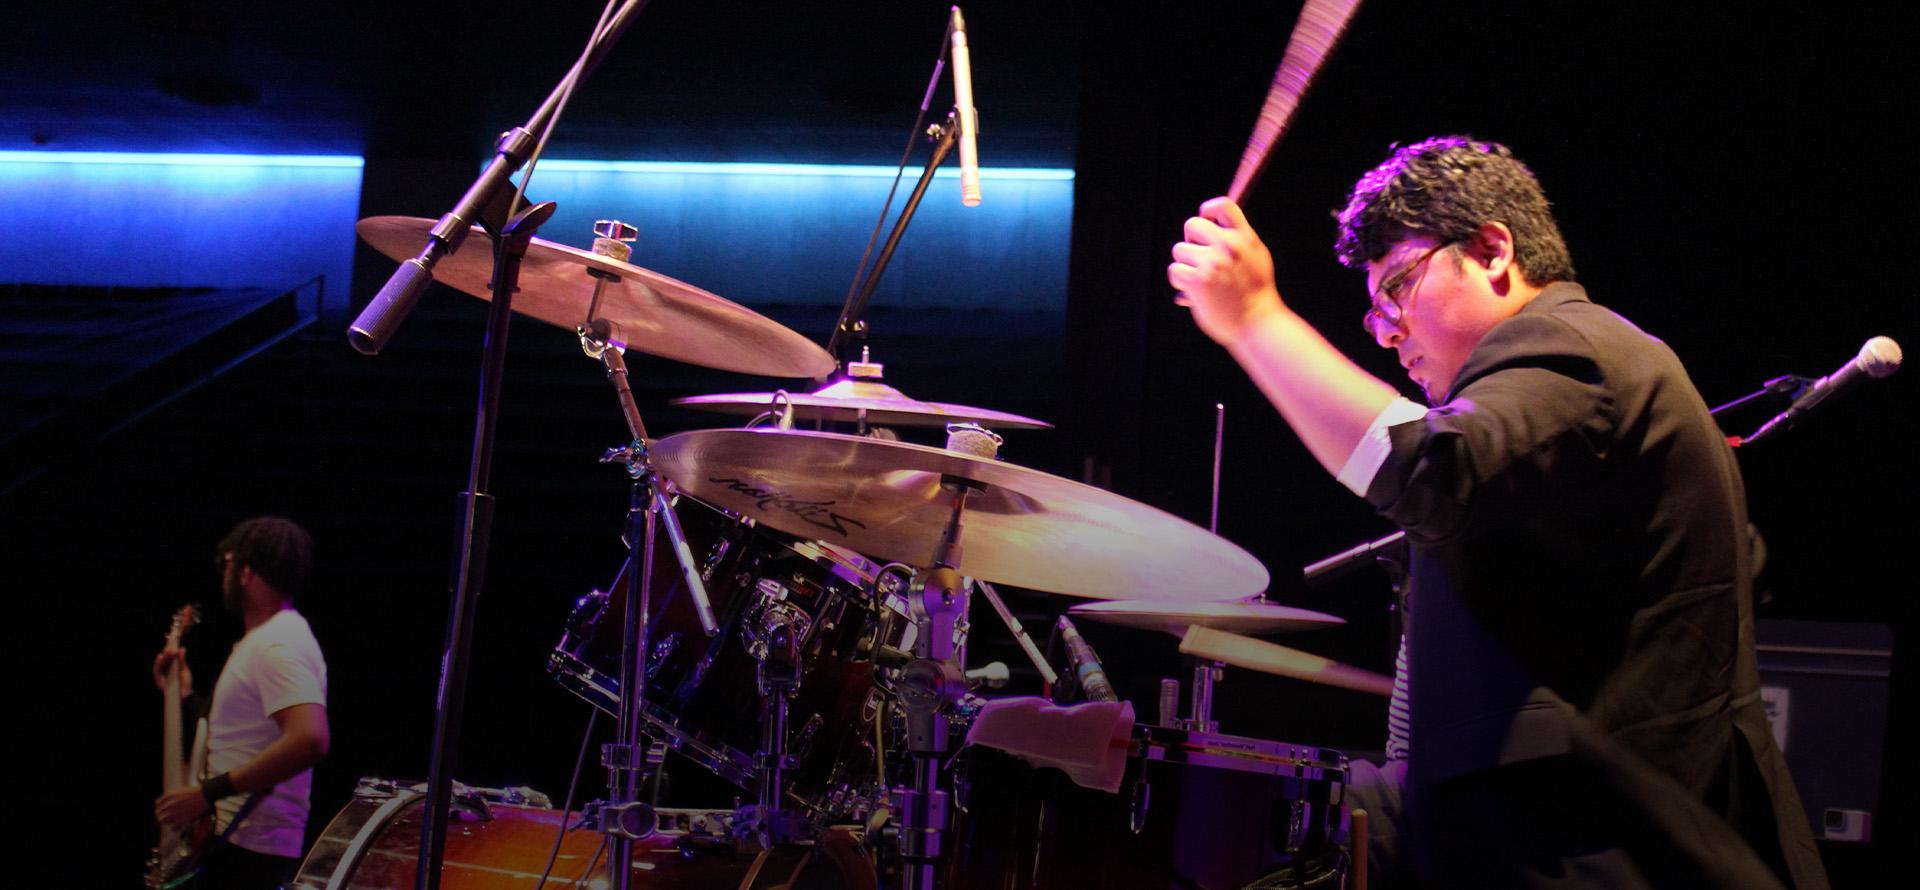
705	695
374	844
1194	809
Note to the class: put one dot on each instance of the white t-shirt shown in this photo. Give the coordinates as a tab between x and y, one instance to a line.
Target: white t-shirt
275	666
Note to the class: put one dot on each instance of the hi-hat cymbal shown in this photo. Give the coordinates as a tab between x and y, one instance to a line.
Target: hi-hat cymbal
1250	616
855	401
1022	527
650	312
1271	658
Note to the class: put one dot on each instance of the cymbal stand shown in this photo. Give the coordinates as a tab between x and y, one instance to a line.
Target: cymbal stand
626	817
930	685
780	674
596	340
1206	671
1047	673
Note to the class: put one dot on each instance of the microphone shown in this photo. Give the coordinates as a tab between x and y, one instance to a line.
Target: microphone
1086	664
969	119
376	323
1878	358
1393	546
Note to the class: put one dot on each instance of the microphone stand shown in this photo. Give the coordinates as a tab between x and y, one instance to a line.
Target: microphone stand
1789	385
851	321
487	202
475	529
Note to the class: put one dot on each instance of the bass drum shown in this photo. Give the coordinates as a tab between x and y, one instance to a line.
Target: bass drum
374	844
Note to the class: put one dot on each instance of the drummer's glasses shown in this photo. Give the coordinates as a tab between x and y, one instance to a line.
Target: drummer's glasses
1386	311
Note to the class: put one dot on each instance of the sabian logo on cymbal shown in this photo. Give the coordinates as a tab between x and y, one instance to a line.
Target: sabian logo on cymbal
811	512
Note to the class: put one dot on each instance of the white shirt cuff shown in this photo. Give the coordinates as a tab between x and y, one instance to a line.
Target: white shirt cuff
1372	449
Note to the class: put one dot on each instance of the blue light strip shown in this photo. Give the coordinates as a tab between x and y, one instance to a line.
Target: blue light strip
199	219
560	165
178	159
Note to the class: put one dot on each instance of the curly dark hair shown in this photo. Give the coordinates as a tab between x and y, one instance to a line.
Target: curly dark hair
1447	187
277	549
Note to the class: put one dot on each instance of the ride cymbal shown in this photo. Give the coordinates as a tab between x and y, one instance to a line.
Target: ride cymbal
1022	527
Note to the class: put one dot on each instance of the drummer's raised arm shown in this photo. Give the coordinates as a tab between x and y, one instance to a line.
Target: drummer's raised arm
1225	275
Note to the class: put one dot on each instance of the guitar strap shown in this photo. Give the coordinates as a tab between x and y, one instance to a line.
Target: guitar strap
246	807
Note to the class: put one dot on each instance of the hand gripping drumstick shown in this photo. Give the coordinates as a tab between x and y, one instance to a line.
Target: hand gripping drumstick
1314	36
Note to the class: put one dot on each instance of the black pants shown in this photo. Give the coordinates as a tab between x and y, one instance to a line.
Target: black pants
1550	824
227	867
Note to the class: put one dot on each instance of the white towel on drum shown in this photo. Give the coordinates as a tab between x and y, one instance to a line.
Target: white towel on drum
1086	741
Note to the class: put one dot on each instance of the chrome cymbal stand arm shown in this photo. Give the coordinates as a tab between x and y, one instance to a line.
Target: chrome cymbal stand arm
930	685
1019	633
1207	672
628	818
595	341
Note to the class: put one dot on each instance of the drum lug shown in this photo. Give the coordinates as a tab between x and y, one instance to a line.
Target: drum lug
662	651
471	808
371	788
586	614
1297	825
962	787
802	745
1138	806
634	821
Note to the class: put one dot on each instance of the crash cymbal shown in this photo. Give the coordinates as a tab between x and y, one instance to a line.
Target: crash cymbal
1270	658
1249	616
650	312
854	401
1023	527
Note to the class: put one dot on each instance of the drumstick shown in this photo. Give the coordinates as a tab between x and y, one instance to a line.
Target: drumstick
1270	658
1357	840
1314	36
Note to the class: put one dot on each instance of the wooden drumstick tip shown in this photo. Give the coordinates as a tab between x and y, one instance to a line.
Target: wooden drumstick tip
1357	850
1315	34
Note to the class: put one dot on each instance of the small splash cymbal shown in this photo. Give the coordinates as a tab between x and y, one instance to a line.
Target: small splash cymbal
1250	616
861	401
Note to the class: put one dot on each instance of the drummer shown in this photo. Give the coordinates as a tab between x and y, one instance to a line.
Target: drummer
1581	676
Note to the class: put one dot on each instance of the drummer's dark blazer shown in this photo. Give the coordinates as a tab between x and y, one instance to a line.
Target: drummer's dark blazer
1580	607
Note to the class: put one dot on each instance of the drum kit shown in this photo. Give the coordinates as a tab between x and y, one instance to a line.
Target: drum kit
798	635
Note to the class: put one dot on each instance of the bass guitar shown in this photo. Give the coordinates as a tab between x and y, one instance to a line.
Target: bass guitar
176	857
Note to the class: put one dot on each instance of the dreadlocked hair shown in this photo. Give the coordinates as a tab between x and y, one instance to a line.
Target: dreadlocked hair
276	548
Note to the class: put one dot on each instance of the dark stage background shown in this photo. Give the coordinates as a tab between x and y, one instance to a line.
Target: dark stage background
1729	177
